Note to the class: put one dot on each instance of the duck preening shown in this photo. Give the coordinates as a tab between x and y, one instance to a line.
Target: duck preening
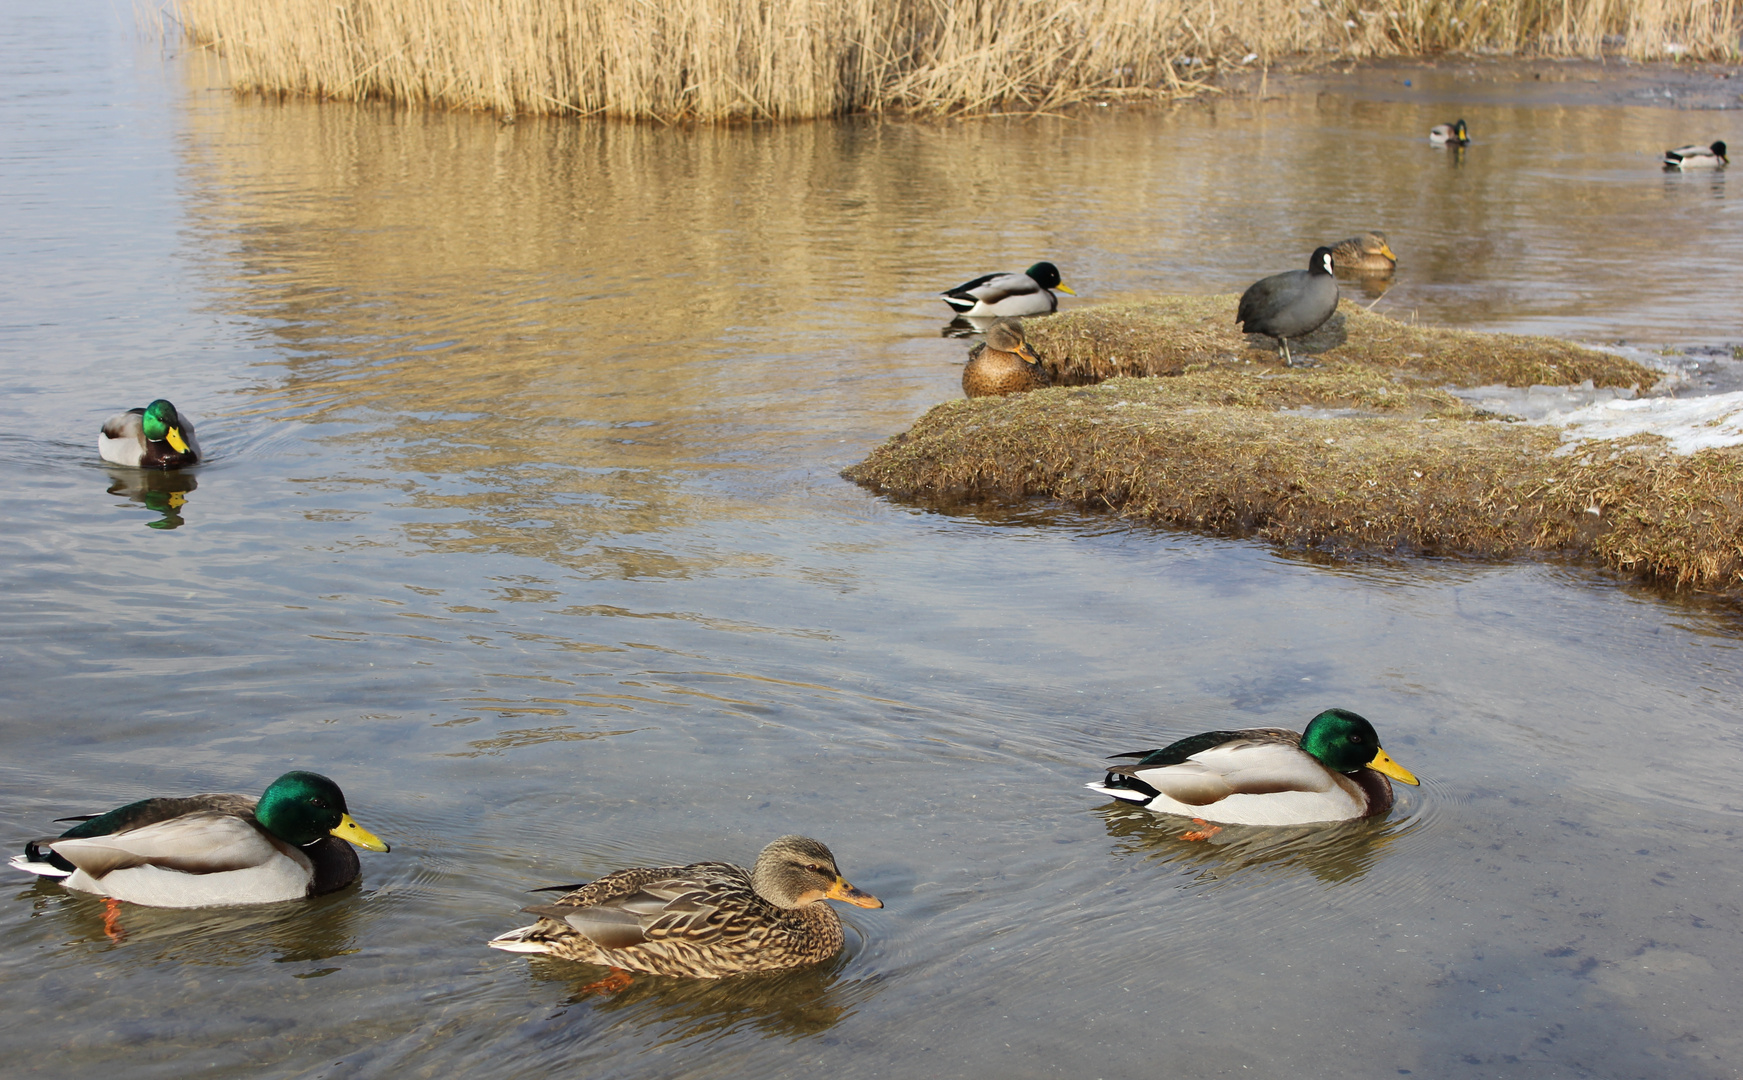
1333	771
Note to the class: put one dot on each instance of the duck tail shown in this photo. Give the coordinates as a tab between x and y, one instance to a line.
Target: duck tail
44	863
515	941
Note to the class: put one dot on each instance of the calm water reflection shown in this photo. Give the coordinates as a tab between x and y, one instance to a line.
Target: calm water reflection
522	520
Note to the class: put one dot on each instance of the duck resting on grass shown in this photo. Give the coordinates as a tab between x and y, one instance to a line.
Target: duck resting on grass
154	437
1003	363
1028	293
211	850
702	921
1333	771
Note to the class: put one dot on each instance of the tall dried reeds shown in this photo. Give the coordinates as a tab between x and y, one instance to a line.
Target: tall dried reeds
793	59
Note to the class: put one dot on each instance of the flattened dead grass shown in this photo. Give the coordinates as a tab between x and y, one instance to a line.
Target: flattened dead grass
1362	454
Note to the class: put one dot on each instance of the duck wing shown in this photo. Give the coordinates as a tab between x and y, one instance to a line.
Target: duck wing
1208	768
634	907
202	842
989	289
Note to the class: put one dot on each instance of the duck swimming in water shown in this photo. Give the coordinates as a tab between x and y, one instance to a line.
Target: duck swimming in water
703	921
1028	293
211	850
1333	771
1454	134
1367	253
154	437
1697	157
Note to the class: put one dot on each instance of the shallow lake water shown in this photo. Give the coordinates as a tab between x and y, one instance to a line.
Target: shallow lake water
522	520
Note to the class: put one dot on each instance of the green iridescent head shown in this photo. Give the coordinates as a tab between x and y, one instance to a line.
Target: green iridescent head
301	807
1343	742
159	419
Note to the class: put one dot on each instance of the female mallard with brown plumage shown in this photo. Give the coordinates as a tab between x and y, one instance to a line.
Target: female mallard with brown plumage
703	921
1368	254
1003	363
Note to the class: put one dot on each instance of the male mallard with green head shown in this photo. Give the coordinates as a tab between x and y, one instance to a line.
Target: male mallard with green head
703	921
155	437
1333	771
211	850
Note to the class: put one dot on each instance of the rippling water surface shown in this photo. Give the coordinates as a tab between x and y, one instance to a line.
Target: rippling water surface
522	520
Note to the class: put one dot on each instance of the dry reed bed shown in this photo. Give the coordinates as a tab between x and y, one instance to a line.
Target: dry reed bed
1225	449
795	59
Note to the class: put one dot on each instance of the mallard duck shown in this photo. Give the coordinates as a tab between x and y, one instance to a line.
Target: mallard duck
1697	157
1265	776
1290	304
1003	363
155	437
211	850
1367	253
1453	134
1028	293
704	921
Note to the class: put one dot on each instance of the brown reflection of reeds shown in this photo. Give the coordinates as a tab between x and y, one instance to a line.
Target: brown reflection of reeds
724	59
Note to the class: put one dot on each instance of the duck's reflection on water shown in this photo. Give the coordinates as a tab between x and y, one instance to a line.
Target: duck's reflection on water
785	1004
161	491
1334	852
295	931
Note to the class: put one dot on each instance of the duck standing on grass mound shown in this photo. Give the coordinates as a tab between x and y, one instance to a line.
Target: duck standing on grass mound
1368	253
1453	134
1697	157
155	437
1333	771
1028	293
1291	304
1003	363
703	921
211	850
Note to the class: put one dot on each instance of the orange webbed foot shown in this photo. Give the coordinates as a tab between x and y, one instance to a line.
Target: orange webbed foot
112	928
619	979
1205	833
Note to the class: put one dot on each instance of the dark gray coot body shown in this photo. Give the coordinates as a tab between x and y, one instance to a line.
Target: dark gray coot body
1291	304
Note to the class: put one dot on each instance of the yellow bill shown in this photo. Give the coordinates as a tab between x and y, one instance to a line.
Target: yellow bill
348	829
176	440
1383	763
1066	289
841	890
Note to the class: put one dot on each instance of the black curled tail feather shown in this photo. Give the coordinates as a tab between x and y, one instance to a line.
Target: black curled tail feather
1129	783
36	853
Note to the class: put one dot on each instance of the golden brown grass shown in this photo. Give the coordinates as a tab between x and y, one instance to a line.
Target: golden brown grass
729	59
1227	448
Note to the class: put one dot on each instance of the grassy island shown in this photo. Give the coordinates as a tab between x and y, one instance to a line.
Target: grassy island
1170	415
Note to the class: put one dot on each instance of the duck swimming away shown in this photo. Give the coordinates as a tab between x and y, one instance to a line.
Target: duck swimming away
702	921
1028	293
1335	770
